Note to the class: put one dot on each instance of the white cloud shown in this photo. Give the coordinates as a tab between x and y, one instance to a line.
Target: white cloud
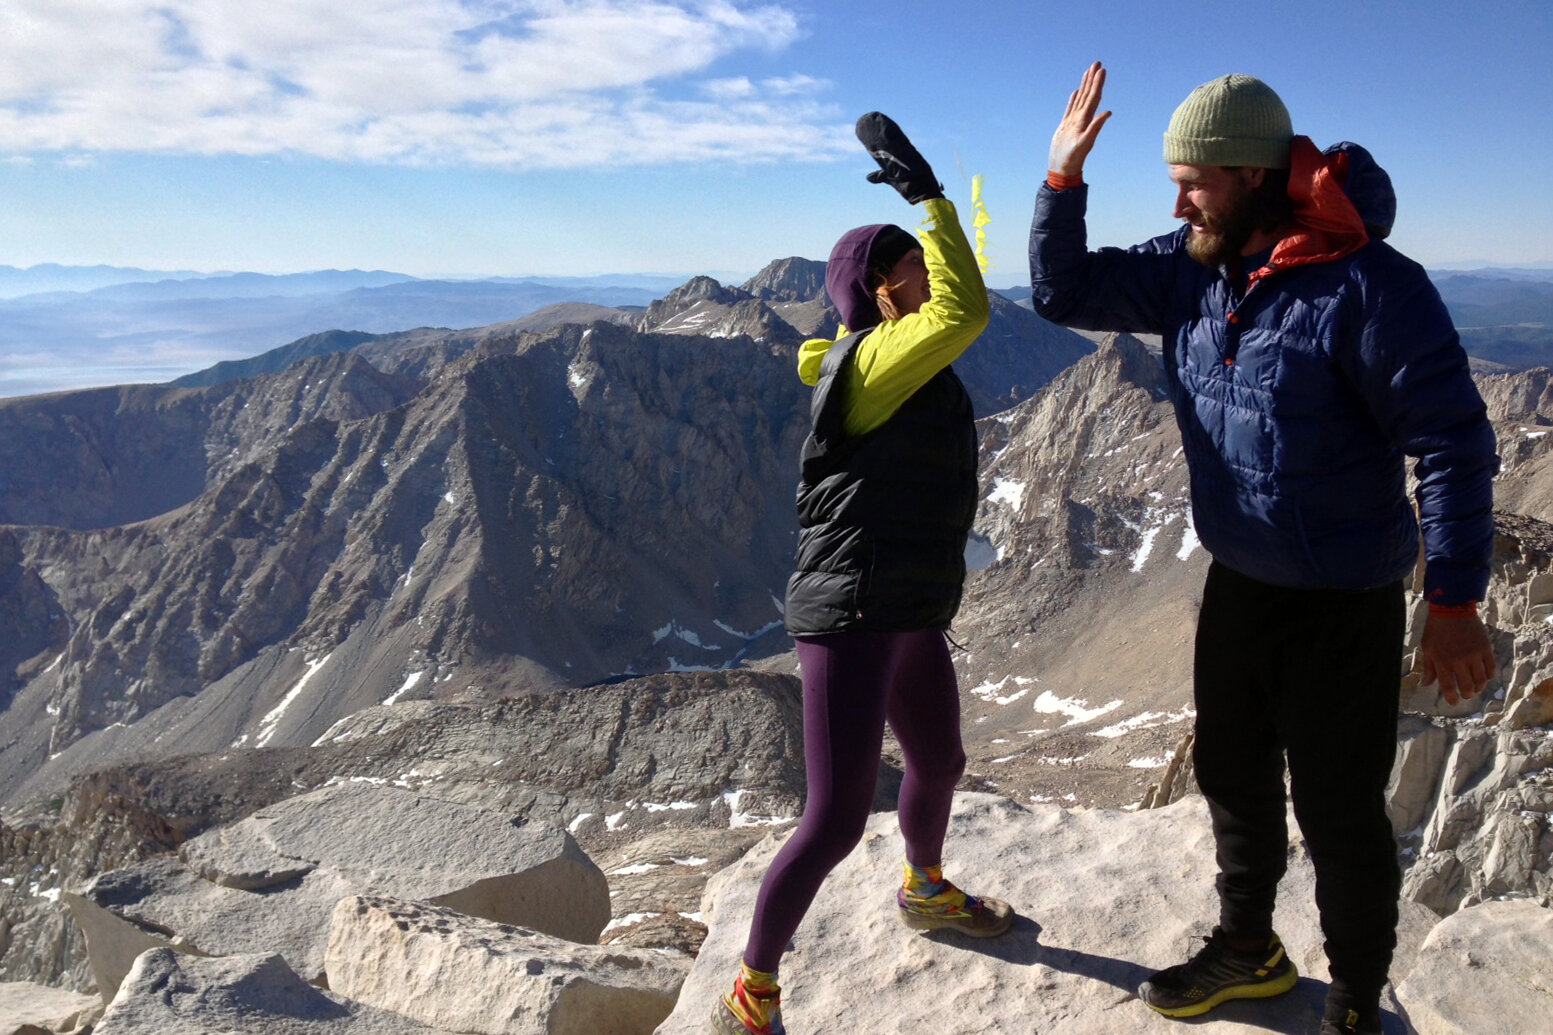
516	83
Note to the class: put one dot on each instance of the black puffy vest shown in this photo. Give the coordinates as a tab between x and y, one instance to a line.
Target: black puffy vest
883	516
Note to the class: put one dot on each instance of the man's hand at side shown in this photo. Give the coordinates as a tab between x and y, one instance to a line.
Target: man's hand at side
1456	652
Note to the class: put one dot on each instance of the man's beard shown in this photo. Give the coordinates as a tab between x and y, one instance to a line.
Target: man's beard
1224	236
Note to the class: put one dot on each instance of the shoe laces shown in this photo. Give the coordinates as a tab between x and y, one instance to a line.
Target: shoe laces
1219	960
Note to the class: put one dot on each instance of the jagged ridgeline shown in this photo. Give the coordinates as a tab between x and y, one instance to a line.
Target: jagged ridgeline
250	555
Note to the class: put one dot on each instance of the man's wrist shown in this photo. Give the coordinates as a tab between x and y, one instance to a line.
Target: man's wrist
1466	610
1063	181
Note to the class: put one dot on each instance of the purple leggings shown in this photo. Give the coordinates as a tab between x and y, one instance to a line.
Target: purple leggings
853	683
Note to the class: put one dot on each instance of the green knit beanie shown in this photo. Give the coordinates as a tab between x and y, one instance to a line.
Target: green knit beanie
1233	120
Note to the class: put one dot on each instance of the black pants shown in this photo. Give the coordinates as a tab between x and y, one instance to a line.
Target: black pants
1314	674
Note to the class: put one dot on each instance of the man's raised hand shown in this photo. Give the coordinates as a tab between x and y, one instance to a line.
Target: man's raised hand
1080	125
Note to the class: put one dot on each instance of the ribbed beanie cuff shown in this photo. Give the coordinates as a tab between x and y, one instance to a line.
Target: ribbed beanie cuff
1233	120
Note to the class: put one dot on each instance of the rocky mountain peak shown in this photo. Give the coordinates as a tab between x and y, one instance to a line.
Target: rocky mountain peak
702	306
788	280
703	289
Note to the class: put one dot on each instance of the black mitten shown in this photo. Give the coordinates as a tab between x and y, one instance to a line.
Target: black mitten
900	164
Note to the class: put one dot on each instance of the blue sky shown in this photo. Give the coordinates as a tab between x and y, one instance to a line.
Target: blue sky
569	137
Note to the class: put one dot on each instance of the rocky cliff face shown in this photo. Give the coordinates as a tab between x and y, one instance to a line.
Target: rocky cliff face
702	306
788	280
1077	627
1472	798
1521	407
558	509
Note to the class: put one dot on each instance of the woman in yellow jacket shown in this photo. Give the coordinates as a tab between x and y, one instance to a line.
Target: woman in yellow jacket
886	498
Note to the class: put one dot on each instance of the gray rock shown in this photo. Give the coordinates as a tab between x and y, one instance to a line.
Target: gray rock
1539	590
23	1003
1105	898
1531	707
1486	970
1489	831
357	839
484	978
167	993
112	943
466	858
1416	773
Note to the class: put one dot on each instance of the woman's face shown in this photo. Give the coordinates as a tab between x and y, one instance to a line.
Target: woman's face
907	283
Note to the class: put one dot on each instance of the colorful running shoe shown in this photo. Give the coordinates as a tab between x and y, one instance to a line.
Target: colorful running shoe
741	1012
954	910
1217	974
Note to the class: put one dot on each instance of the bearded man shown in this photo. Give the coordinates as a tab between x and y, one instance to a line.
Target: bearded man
1305	359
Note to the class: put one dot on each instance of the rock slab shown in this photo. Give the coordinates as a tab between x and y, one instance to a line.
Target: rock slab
484	978
1485	970
1105	898
269	883
167	993
24	1003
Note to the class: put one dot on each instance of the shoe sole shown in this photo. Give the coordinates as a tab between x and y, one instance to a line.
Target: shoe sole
725	1023
1260	990
919	922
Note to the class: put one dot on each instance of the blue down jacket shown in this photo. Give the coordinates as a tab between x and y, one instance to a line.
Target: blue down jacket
1298	400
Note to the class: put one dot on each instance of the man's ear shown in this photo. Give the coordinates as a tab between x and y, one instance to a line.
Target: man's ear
1252	177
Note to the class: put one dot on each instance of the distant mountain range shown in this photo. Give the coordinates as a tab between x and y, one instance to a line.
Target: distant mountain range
50	277
147	327
69	327
1504	315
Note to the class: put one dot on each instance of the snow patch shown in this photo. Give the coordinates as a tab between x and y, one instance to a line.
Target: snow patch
757	634
1189	540
675	665
1146	545
409	684
1005	490
269	724
629	871
992	693
690	636
1077	709
1144	721
627	920
737	818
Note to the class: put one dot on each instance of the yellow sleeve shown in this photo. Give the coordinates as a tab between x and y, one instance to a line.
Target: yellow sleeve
902	355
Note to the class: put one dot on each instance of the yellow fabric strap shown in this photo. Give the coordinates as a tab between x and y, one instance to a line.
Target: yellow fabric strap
979	220
759	982
919	878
